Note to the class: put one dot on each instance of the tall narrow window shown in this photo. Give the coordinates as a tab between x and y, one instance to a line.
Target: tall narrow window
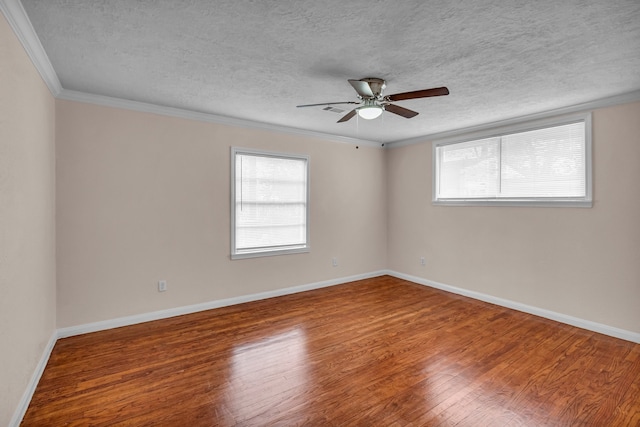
548	165
270	200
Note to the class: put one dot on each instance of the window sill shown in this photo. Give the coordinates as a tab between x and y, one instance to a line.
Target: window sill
259	254
556	203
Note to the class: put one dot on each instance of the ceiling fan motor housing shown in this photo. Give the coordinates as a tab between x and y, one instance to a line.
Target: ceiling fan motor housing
377	85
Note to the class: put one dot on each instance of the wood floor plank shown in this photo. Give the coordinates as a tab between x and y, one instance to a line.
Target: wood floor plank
380	351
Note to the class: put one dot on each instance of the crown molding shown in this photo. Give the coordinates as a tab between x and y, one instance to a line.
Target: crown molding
611	101
19	21
72	95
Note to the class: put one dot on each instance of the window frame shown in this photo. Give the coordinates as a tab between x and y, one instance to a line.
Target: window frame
267	252
525	126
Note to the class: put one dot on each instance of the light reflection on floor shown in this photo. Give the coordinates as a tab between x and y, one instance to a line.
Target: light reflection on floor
268	375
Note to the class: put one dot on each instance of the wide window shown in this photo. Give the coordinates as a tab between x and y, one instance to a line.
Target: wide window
269	203
538	166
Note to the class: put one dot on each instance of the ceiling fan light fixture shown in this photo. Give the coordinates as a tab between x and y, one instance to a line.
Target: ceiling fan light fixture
370	112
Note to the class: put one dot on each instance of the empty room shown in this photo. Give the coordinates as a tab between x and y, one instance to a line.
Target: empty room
319	213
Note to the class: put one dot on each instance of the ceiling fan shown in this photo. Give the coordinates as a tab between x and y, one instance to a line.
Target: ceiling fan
373	102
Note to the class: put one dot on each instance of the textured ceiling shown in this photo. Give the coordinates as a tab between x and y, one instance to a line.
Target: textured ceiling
257	60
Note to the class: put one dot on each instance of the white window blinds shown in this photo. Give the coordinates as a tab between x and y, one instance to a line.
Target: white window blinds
546	164
469	169
270	203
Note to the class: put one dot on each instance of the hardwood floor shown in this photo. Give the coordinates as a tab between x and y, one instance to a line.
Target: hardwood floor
377	352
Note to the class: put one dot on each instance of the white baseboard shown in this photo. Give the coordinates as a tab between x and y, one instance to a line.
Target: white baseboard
23	405
178	311
552	315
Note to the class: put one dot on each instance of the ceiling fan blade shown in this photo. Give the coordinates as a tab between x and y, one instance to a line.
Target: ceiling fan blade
327	103
348	116
436	91
362	88
401	111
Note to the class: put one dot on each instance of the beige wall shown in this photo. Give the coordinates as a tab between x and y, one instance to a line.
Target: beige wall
27	216
143	197
580	262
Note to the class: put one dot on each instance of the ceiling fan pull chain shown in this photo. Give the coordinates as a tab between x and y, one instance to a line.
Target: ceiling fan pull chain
382	133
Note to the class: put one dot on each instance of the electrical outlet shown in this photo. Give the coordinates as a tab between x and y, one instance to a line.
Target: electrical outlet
334	261
423	261
162	285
